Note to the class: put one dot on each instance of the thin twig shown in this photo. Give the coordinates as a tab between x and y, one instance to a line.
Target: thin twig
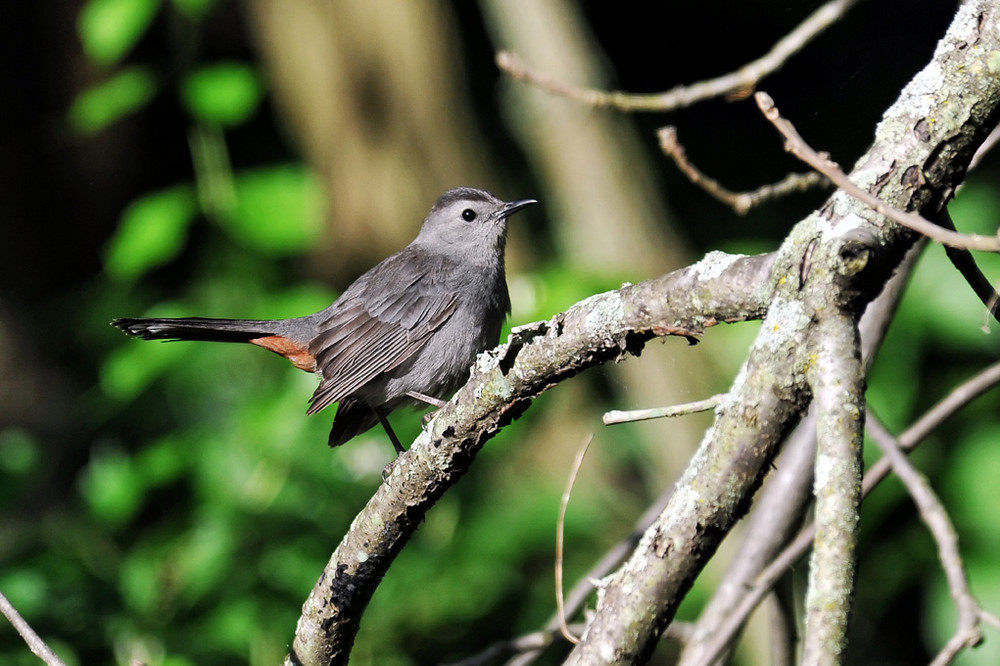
610	561
797	146
741	202
968	632
34	641
563	628
783	622
960	396
989	618
618	416
532	644
538	640
966	264
736	83
985	148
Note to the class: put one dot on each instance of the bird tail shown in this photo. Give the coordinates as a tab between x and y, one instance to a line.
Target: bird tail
196	328
353	418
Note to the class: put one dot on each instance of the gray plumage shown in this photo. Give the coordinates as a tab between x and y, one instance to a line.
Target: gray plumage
413	324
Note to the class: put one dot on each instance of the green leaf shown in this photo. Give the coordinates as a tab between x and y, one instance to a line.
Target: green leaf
110	28
138	579
279	210
204	557
99	106
151	232
111	487
966	488
27	590
19	451
161	462
225	93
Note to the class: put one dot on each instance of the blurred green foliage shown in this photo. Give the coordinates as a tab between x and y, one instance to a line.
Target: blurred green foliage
207	506
122	93
279	210
110	28
223	93
151	232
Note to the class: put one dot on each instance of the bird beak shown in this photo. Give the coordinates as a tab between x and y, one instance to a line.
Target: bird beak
514	206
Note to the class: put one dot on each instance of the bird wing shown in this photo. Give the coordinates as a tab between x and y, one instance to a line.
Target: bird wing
378	324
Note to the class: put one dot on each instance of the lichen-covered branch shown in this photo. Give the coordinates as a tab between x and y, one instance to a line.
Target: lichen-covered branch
829	267
811	290
837	380
504	381
779	509
637	602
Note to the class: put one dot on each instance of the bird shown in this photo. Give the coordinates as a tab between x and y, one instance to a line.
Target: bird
405	333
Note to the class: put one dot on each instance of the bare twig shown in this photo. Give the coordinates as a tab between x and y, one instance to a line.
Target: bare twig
783	622
966	264
735	83
610	561
34	641
985	148
538	640
741	202
560	610
523	649
989	618
797	146
618	416
968	632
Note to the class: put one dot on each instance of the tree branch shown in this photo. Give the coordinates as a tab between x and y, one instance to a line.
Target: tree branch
778	512
797	146
837	380
755	593
34	641
834	261
720	288
743	79
935	516
741	202
831	262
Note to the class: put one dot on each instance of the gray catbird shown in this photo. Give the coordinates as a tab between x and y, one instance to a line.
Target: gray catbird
405	332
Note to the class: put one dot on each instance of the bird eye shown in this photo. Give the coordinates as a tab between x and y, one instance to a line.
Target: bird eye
468	215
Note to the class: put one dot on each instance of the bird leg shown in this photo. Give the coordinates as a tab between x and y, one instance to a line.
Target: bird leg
388	430
429	399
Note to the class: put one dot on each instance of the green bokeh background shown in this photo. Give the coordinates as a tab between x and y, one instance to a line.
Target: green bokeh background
171	502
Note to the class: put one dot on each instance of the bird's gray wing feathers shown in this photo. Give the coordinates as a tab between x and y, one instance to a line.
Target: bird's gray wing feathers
375	328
